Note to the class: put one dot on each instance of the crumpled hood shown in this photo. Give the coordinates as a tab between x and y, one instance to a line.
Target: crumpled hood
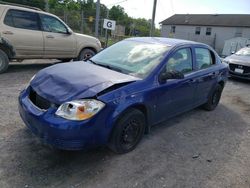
75	80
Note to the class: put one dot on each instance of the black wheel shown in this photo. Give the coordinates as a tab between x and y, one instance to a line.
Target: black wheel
85	54
214	98
4	61
128	131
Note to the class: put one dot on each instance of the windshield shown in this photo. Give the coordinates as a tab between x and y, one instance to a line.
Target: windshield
244	52
131	57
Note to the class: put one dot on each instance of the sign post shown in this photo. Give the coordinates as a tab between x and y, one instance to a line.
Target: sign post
108	25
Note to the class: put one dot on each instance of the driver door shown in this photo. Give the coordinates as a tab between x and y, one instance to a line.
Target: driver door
176	95
58	42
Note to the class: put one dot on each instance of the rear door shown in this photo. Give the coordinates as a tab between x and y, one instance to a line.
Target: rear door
206	74
22	29
58	42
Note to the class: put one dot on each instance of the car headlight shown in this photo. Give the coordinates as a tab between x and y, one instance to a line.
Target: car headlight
80	109
225	61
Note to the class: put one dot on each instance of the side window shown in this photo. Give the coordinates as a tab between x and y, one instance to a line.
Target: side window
181	61
172	30
204	58
51	24
22	19
198	30
208	31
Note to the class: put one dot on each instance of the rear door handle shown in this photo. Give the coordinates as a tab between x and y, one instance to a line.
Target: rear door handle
213	74
50	37
8	33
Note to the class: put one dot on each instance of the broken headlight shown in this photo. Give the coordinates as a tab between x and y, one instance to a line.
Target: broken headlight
80	109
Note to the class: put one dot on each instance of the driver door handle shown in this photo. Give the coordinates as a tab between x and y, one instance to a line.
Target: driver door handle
50	37
8	33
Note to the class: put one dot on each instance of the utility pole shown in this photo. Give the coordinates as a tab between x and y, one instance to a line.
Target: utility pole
46	5
106	31
97	16
153	20
81	17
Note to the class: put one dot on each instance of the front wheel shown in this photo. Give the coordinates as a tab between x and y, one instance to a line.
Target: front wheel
85	54
213	99
128	131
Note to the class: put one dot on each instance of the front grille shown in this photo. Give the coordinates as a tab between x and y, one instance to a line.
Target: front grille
39	101
245	68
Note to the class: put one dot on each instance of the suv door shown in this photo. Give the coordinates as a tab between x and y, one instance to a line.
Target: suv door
176	95
58	41
207	72
21	28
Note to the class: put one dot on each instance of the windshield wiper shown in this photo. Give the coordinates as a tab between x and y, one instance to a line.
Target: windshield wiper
106	66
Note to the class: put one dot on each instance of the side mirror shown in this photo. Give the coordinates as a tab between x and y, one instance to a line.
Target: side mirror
69	32
170	75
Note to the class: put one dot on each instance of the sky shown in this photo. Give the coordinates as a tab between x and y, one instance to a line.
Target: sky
166	8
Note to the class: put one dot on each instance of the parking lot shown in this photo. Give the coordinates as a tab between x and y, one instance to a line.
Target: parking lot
196	149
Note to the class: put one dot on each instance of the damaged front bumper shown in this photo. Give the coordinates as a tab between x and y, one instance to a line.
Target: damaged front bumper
61	133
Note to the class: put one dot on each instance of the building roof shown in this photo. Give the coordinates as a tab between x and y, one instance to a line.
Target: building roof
224	20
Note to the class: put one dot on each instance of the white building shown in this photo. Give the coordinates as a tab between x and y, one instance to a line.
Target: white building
212	29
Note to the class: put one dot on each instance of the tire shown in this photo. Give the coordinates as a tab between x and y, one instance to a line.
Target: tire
4	61
65	60
128	131
85	54
213	99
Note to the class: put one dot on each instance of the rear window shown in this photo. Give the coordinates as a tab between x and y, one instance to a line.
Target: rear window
204	58
22	19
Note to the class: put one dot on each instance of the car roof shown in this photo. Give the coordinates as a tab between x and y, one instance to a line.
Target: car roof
164	41
26	8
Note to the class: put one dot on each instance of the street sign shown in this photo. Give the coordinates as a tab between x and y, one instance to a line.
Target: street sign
91	19
109	24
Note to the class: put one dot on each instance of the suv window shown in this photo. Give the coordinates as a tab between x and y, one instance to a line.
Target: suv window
181	61
22	19
51	24
204	58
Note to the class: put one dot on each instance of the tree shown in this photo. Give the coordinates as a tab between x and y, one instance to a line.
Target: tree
34	3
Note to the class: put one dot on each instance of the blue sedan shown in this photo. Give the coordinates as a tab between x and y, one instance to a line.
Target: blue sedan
115	97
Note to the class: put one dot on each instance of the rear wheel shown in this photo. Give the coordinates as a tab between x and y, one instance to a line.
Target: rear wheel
4	61
85	54
214	98
128	131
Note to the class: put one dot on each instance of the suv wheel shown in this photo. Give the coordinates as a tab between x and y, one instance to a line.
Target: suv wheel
4	61
128	131
85	54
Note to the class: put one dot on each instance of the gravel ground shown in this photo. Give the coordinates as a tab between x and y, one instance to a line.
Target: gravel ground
195	149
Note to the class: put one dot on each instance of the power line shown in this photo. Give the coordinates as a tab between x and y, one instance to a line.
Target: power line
117	3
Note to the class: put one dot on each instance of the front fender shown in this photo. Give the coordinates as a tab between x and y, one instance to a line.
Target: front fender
94	46
122	105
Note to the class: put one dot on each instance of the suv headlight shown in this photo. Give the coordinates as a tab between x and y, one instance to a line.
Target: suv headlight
80	109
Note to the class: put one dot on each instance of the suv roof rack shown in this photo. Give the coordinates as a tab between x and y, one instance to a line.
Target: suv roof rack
19	5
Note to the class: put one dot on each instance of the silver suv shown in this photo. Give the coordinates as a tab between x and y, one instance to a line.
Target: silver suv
27	33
